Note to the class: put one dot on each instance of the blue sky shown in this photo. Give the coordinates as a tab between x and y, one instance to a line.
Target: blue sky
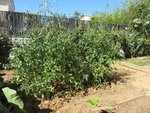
68	7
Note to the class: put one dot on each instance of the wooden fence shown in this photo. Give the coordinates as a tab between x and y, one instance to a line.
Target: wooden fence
16	22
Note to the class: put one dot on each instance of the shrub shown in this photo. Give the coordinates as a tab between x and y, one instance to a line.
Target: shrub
141	22
137	37
60	60
135	9
135	40
136	44
116	17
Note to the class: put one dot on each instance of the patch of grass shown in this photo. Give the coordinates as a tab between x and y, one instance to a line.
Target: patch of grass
141	61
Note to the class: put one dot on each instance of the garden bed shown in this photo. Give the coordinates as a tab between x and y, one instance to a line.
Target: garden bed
125	93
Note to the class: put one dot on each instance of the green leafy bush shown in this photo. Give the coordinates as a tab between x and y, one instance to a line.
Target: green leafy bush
138	44
133	43
61	60
119	15
116	17
130	10
141	21
136	40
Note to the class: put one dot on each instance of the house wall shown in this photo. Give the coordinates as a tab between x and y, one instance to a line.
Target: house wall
3	2
7	5
4	8
11	5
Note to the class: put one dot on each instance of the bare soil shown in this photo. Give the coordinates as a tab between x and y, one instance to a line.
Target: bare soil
129	92
7	75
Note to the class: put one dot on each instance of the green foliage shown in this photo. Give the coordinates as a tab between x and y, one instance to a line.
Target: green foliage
138	44
118	16
61	60
135	40
133	43
9	99
94	101
76	15
12	97
130	10
141	22
137	37
106	17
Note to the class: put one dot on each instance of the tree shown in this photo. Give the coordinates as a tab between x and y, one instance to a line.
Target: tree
76	15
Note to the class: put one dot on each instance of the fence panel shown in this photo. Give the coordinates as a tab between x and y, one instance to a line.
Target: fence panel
16	22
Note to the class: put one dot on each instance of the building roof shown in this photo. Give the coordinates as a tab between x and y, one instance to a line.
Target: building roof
85	18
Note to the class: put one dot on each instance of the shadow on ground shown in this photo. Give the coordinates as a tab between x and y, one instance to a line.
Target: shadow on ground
32	105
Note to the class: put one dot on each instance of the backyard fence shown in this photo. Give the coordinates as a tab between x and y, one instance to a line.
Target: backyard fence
16	22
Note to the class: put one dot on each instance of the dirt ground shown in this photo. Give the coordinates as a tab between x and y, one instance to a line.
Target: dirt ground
128	93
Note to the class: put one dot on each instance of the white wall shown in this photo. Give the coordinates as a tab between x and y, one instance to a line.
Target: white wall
4	8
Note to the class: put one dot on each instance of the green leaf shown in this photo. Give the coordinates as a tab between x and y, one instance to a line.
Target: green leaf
94	102
3	109
12	97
